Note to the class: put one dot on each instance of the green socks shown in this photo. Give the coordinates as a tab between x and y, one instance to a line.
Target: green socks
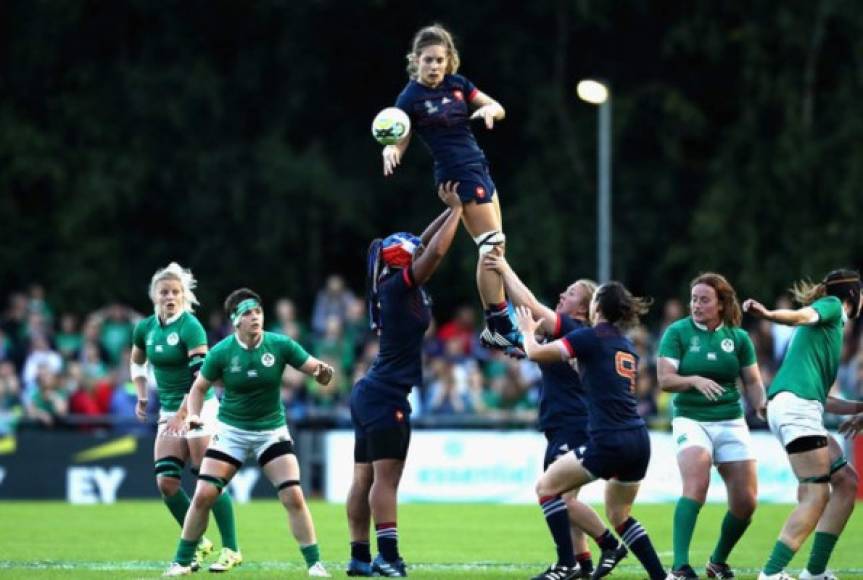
779	558
312	554
822	547
185	551
223	512
685	515
731	531
178	504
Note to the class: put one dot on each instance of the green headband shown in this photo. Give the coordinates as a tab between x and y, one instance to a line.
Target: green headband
242	308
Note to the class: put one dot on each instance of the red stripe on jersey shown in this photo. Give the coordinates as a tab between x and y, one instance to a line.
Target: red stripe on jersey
407	277
568	347
473	94
557	324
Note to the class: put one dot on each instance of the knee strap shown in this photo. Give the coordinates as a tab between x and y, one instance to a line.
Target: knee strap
218	482
169	467
816	479
489	241
840	462
287	484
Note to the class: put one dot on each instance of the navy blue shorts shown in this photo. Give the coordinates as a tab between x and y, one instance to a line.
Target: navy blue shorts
622	455
474	183
381	418
561	442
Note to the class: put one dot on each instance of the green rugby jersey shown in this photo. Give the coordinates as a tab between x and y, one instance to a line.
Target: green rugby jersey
719	356
252	377
167	348
812	359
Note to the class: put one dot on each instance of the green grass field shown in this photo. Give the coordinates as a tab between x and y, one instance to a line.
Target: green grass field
137	540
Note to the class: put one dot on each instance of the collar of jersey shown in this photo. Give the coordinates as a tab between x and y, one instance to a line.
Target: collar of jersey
244	346
171	320
703	327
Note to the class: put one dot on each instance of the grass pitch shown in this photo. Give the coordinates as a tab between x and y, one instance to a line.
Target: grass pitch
136	539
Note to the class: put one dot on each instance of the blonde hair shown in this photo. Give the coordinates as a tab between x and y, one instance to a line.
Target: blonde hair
806	292
174	271
434	35
588	285
725	294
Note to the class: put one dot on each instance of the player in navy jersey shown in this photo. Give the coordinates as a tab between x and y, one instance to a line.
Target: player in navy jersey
441	105
563	401
400	312
619	446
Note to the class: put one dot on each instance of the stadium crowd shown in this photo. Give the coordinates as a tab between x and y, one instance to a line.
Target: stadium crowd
67	370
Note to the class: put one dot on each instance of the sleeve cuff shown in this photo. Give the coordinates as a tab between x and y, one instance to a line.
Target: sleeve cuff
473	94
566	349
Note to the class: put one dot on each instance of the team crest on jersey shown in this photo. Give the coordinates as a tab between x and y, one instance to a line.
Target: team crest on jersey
458	95
173	339
268	359
727	345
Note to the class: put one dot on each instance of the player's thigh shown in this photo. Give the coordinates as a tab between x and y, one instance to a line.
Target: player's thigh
283	468
197	448
480	218
170	446
564	475
811	463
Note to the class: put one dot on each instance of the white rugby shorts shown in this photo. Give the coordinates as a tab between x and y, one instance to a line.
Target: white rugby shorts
726	441
791	417
209	412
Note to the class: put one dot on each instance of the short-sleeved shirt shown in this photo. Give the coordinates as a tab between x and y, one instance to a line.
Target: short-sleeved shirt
252	376
405	316
719	355
562	399
167	348
812	359
441	117
608	365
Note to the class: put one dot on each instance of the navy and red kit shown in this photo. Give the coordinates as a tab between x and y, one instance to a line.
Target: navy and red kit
562	401
619	445
441	118
379	407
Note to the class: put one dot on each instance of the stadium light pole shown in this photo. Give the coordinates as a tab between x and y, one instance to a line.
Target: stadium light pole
599	93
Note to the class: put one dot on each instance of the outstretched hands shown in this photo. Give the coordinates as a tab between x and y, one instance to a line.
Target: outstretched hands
755	308
448	193
486	113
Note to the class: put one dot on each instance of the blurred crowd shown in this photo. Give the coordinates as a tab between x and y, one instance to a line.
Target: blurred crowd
72	370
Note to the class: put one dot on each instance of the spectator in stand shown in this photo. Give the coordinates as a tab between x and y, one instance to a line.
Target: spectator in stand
446	396
672	311
647	391
285	321
14	325
91	335
332	300
509	389
69	339
37	303
6	348
38	323
10	398
333	347
47	403
780	333
93	366
118	323
461	327
41	355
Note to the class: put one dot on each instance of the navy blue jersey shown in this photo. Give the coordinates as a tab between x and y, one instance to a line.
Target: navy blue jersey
562	400
441	117
405	316
608	366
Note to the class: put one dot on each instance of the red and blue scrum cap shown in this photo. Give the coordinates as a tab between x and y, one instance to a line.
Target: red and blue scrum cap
397	250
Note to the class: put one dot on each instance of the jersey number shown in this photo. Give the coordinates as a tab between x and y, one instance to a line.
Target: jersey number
627	367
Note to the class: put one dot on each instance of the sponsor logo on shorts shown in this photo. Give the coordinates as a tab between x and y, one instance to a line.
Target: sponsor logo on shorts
682	439
173	339
480	192
727	345
268	359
